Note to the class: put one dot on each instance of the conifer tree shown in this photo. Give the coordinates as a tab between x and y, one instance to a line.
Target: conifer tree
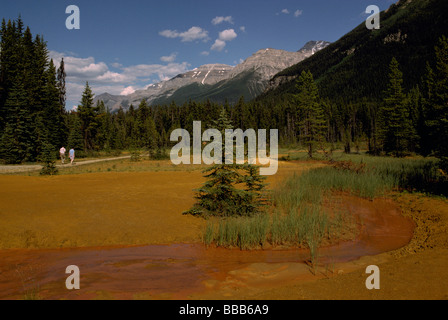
8	59
86	112
310	115
75	137
48	157
148	132
415	106
19	124
10	150
255	185
220	195
61	83
53	111
107	127
437	103
395	127
120	129
40	64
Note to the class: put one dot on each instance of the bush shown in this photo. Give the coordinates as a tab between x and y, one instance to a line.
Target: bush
230	190
49	159
158	154
135	156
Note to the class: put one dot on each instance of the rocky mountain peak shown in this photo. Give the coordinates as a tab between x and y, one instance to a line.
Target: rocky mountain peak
258	70
311	47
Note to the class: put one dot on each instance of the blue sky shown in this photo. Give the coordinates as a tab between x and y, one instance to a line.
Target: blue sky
123	46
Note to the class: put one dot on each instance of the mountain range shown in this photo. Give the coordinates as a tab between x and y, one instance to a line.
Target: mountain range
218	82
356	66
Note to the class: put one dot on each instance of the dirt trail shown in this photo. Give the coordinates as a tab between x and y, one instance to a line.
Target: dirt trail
35	167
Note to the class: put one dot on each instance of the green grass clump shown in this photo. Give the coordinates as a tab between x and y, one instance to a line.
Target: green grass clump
328	179
380	175
296	227
242	232
297	217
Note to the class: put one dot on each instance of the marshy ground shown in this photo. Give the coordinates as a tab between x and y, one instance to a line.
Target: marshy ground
122	223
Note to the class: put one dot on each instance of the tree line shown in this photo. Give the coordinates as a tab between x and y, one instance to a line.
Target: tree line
33	116
31	95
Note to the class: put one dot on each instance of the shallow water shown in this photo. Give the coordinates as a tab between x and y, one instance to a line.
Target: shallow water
178	270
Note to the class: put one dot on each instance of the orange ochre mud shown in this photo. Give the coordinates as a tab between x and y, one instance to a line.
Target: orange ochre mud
89	220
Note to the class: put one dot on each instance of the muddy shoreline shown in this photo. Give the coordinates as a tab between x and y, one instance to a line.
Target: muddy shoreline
180	271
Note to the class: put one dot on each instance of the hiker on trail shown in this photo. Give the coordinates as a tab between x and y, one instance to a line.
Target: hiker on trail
62	152
72	155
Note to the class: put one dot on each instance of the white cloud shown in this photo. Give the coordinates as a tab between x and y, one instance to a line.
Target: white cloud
243	28
145	71
219	45
219	20
126	81
224	37
169	34
86	68
127	91
285	11
205	53
114	77
116	65
169	58
227	35
193	34
298	13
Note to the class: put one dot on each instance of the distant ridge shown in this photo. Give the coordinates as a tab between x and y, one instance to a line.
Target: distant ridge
218	82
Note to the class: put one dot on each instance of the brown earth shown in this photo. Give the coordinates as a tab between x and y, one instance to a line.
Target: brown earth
113	209
104	209
417	271
97	210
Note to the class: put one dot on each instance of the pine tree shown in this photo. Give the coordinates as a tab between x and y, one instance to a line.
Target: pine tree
427	120
103	123
29	104
120	130
10	150
48	157
107	129
254	187
61	83
437	103
75	137
395	127
151	136
415	107
19	124
220	196
39	66
310	115
53	111
8	59
86	112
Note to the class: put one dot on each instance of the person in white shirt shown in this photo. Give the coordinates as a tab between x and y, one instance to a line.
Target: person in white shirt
62	154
